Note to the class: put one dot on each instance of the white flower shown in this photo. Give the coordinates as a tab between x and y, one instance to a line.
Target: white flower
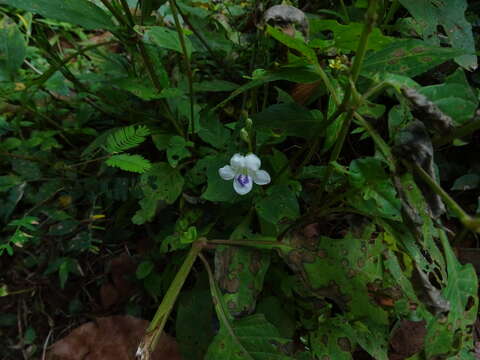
244	170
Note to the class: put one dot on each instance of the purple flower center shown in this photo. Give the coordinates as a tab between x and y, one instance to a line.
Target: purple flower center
243	180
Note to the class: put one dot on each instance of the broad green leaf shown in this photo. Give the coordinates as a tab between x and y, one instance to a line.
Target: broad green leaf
280	202
376	194
217	188
240	273
13	49
127	162
296	75
214	86
407	57
177	150
194	307
144	269
167	39
160	183
466	182
212	131
163	182
79	12
450	16
287	120
346	37
334	339
454	97
145	90
253	338
293	43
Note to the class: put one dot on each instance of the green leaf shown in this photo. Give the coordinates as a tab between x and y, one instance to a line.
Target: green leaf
79	12
13	49
126	138
253	338
450	16
346	37
144	269
160	183
212	131
293	43
280	202
216	85
127	162
454	97
194	307
145	90
376	193
168	39
296	75
177	150
466	182
407	57
287	120
240	273
217	188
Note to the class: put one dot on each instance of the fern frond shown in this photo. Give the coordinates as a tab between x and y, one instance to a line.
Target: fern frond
127	162
126	138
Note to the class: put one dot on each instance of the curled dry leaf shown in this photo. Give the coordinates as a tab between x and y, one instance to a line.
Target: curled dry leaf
287	17
428	112
407	339
413	144
110	338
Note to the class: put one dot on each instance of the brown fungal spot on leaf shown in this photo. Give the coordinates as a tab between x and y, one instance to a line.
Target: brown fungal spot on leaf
344	344
418	49
110	338
407	339
399	53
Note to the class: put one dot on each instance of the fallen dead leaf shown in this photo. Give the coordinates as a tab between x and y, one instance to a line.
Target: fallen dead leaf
407	339
110	338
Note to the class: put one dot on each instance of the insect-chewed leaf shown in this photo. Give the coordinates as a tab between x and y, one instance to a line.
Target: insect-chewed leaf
126	138
127	162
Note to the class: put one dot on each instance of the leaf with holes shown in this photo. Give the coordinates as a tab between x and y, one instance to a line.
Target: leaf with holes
450	16
177	150
407	57
252	338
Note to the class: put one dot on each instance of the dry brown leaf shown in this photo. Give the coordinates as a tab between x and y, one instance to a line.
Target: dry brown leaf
110	338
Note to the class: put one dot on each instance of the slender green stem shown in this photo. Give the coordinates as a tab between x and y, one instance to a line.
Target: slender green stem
370	19
465	219
328	84
115	12
458	133
221	309
391	11
259	244
155	329
128	13
188	66
378	140
345	11
337	148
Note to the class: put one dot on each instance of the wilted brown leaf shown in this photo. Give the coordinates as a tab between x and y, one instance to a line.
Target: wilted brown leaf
110	338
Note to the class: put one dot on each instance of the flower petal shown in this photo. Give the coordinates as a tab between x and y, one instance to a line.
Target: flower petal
252	162
242	184
261	177
237	161
226	172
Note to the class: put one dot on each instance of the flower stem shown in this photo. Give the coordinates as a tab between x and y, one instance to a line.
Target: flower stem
155	329
188	66
468	221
